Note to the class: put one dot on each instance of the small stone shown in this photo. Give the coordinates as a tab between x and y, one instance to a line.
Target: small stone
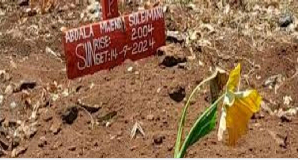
13	105
279	139
287	100
63	8
56	145
2	119
10	123
55	127
23	2
70	114
258	116
42	142
285	20
285	118
158	139
4	143
30	131
133	148
119	133
182	65
130	69
170	58
1	99
266	108
72	148
175	36
16	142
24	85
17	151
31	12
177	93
8	90
150	117
47	117
63	29
92	108
170	148
4	76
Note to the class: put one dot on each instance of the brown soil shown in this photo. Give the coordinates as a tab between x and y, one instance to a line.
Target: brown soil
141	95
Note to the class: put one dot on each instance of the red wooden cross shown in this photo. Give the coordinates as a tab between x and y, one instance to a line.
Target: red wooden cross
109	9
108	43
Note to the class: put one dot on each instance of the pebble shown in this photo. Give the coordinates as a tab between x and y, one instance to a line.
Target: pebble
8	90
70	114
30	131
150	117
72	148
17	151
23	2
158	139
55	127
1	99
13	105
4	143
285	20
177	93
42	141
130	69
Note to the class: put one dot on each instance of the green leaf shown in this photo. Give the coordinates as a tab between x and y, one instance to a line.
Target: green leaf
204	124
217	81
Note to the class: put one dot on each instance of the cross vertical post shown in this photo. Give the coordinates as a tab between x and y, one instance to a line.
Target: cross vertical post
109	9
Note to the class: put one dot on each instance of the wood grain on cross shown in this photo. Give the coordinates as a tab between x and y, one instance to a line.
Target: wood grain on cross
109	9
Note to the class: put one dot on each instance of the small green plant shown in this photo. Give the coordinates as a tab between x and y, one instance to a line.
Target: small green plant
237	109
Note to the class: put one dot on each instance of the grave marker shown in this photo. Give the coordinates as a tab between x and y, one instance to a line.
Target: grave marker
109	9
108	43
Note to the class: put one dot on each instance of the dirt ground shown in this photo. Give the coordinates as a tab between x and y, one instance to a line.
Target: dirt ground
35	81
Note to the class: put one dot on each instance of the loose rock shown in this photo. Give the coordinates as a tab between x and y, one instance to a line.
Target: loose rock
130	69
170	58
70	114
177	93
279	139
285	20
158	139
4	142
29	131
55	127
150	117
72	148
4	76
23	2
31	12
175	36
13	105
266	108
89	107
1	99
17	151
42	142
8	90
24	85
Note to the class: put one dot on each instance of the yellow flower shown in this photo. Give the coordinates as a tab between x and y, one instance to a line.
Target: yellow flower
238	108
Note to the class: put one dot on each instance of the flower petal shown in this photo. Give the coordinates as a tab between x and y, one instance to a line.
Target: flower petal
234	78
238	115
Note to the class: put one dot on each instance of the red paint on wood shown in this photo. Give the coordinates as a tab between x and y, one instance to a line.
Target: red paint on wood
95	47
109	9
